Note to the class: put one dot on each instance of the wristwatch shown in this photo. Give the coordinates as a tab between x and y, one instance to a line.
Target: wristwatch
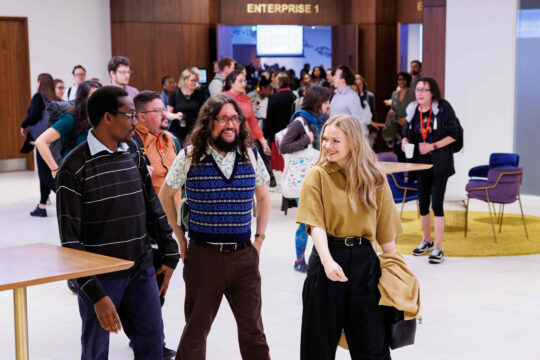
435	147
262	236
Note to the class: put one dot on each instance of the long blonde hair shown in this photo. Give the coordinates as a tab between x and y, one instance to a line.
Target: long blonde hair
364	176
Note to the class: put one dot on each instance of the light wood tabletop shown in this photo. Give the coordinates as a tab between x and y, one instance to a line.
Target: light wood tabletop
40	263
34	264
395	167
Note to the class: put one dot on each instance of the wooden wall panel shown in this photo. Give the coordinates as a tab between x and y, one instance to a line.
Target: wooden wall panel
361	12
15	71
163	11
138	42
434	44
345	45
330	12
409	11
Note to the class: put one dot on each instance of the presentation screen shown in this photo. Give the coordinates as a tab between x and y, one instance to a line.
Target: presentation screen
280	40
203	78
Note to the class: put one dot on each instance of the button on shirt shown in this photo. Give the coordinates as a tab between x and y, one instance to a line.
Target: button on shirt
347	102
176	177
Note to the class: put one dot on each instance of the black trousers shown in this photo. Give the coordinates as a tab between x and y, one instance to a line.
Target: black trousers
431	186
46	181
330	307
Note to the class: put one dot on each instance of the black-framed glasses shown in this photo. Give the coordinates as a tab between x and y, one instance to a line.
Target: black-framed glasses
132	116
157	111
422	90
222	120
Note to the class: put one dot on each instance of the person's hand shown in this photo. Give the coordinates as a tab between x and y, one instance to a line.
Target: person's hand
425	148
266	148
107	315
167	273
150	169
391	113
401	121
257	244
182	242
334	272
24	132
179	116
388	102
54	172
311	136
404	142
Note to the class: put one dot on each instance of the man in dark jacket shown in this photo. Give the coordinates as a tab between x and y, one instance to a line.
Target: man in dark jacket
280	110
106	204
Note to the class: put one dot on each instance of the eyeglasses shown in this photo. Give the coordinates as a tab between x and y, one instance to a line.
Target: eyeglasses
157	111
124	72
60	87
422	90
222	120
79	74
132	116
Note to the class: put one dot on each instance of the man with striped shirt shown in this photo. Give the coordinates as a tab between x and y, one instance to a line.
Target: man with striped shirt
224	176
106	204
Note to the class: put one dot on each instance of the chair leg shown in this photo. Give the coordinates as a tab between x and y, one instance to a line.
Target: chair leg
501	218
467	213
403	204
523	217
491	217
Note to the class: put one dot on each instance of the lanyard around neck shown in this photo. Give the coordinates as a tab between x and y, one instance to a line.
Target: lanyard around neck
422	130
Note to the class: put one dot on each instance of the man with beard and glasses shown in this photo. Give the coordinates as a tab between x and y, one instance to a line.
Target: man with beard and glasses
224	176
106	204
159	148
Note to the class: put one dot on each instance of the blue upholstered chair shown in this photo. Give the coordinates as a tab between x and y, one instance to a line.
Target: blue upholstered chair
401	191
496	160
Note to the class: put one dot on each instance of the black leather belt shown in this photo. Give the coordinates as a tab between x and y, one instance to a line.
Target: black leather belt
348	241
224	248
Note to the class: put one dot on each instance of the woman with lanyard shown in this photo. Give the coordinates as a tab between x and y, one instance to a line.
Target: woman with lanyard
312	115
346	204
431	127
235	86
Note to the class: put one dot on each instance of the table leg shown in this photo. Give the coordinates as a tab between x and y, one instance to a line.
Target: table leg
21	323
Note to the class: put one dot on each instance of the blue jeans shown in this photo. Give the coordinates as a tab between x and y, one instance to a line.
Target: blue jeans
301	240
137	302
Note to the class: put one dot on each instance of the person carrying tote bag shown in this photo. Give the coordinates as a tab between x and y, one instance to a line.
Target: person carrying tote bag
300	146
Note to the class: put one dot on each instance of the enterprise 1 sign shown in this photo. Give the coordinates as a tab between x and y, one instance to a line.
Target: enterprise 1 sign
282	8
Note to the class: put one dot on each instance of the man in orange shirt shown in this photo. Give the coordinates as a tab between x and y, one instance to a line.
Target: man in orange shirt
158	146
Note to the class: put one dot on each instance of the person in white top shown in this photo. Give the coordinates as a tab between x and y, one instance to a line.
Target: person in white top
79	75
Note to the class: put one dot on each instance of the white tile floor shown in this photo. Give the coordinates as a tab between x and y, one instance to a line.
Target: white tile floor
473	308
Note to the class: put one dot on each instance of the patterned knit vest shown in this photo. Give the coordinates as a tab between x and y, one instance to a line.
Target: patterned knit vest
220	208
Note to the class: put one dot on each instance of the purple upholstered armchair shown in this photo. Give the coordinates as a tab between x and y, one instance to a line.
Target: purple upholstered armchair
502	187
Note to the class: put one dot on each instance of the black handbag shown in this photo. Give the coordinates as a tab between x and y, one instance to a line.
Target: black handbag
399	332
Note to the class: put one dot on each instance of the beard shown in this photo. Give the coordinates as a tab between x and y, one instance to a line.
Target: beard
225	146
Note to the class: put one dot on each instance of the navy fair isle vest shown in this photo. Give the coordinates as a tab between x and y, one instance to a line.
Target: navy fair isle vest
220	208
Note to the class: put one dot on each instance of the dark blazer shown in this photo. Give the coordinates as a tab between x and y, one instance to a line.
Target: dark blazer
444	124
280	110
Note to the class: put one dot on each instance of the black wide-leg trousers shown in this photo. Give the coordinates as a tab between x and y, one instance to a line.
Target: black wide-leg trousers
352	306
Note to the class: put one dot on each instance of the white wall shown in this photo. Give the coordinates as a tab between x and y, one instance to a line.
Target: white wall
64	33
480	78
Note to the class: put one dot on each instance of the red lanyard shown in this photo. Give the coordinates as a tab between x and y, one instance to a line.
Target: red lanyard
284	89
160	147
422	130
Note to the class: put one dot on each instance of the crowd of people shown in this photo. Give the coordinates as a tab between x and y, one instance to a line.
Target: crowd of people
131	169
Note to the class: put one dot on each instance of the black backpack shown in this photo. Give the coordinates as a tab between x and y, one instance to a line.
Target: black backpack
458	144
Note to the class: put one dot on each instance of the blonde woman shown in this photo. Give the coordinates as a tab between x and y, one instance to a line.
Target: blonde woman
184	105
346	204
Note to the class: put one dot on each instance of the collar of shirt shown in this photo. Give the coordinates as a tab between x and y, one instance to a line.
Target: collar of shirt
344	91
331	167
217	156
97	146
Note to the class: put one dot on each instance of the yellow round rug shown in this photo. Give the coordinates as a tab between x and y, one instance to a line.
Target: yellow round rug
479	241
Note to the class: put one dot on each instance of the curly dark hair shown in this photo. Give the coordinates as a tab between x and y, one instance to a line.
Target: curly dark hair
202	132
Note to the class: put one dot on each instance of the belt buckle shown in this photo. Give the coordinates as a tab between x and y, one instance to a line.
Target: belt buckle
347	243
